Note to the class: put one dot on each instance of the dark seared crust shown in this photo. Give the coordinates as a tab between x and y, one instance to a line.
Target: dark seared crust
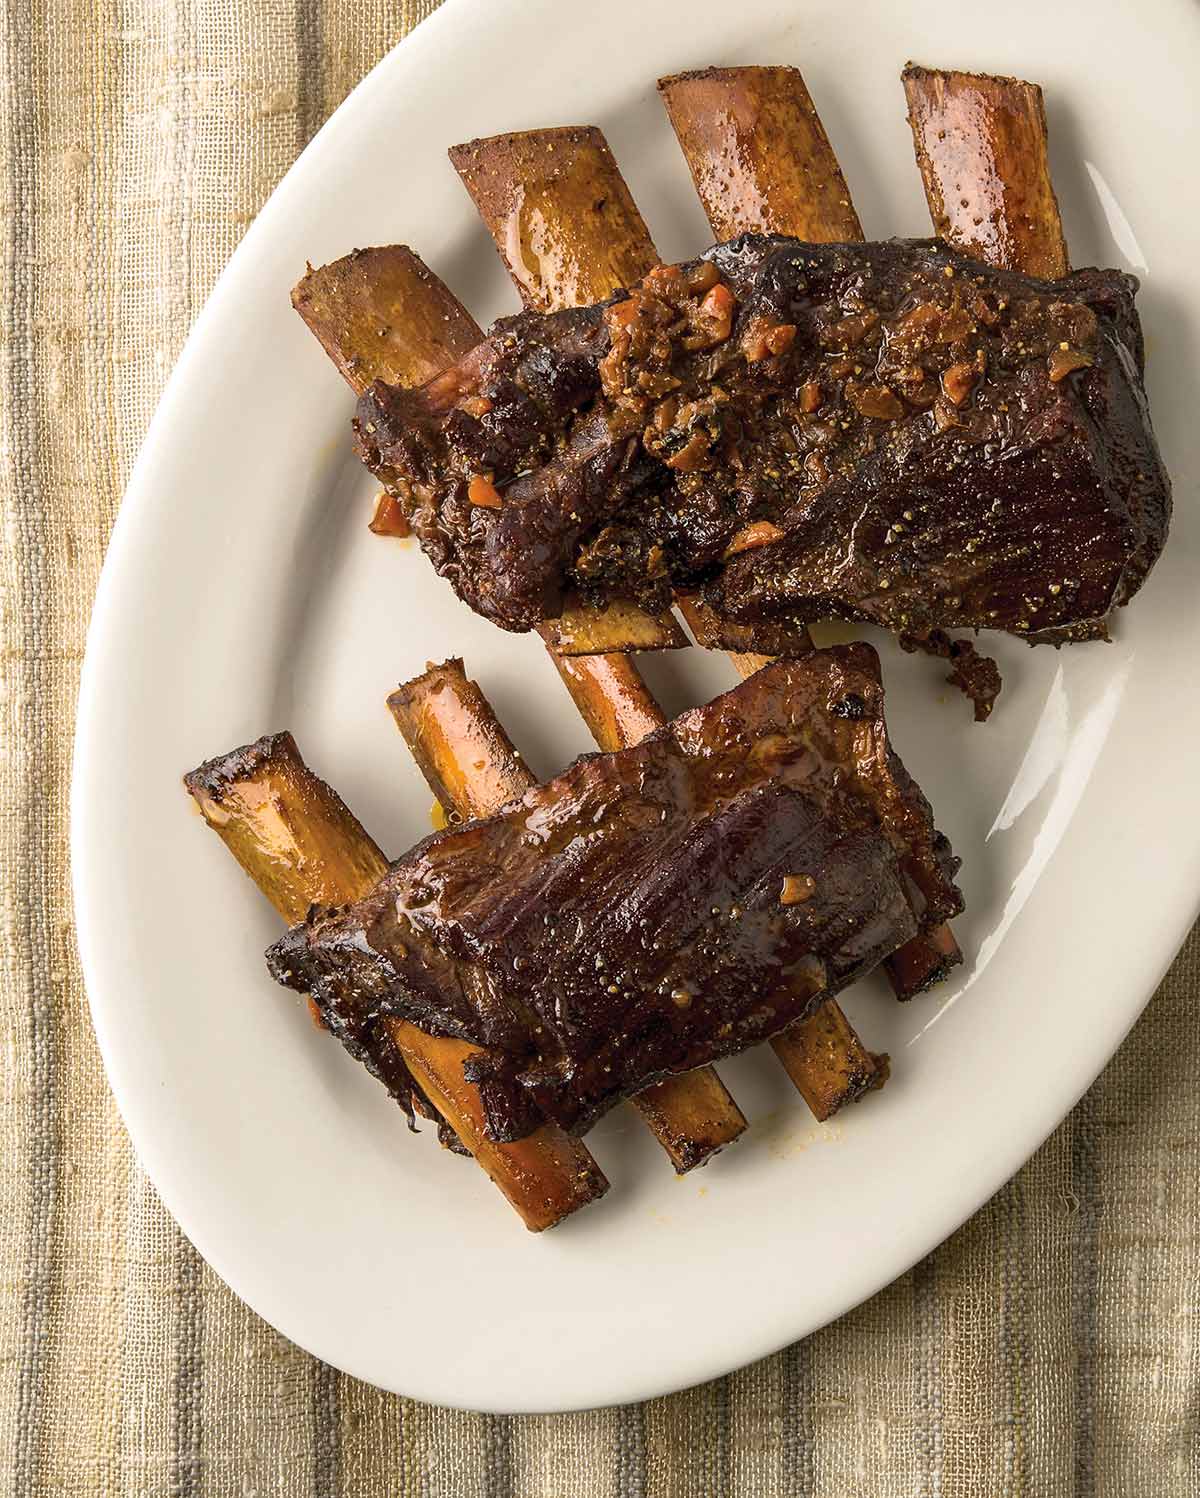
214	777
507	562
1070	634
715	631
1033	501
627	920
976	676
373	1045
916	968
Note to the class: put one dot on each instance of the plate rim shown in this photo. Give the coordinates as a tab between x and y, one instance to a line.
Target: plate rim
138	495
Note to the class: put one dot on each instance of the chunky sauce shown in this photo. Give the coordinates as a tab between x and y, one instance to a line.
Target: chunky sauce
888	431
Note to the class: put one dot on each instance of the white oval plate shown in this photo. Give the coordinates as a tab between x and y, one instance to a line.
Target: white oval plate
242	594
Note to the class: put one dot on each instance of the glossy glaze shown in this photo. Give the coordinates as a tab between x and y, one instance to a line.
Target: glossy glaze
800	1223
758	153
460	746
949	475
608	690
469	762
611	696
521	185
302	845
621	627
624	921
981	147
382	314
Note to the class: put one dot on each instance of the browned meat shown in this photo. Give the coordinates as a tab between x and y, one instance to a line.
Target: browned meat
652	910
889	432
976	676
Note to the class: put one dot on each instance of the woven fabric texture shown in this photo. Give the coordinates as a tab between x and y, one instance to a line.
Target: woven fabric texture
1051	1347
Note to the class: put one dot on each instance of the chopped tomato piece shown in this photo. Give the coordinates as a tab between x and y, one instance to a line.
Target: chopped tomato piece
482	492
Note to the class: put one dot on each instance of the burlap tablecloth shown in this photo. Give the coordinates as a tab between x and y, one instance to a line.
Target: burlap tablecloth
1051	1347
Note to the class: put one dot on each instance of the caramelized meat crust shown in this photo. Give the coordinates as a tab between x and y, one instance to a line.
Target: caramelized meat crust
889	432
652	910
